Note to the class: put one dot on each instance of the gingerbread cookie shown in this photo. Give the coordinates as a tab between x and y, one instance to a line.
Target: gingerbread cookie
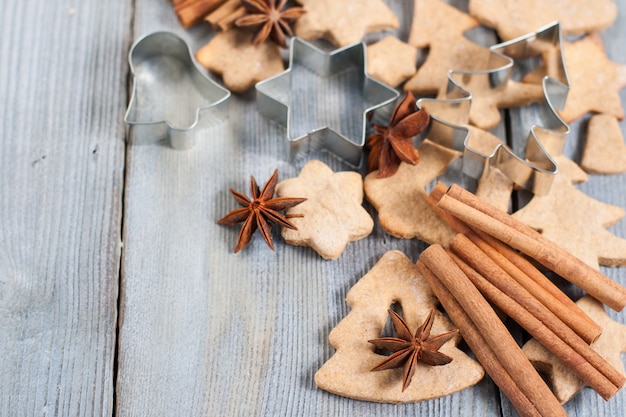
241	64
610	344
513	18
605	151
391	61
401	199
393	280
337	21
576	221
595	80
440	27
332	215
487	102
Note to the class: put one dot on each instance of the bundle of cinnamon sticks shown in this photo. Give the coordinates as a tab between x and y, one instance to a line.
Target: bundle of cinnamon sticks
482	265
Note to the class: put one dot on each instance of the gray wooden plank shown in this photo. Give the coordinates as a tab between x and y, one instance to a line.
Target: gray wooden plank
62	97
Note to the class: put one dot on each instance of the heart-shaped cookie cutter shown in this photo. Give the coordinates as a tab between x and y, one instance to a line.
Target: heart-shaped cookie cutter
172	95
275	97
536	170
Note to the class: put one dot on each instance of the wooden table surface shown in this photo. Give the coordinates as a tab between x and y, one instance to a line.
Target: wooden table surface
119	295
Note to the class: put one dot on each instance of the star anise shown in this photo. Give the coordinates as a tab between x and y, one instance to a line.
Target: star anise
408	349
256	212
272	17
394	143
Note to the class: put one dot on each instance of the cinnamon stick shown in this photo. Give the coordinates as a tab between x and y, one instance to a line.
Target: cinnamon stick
570	314
223	17
518	260
493	330
190	12
541	323
476	213
484	354
525	273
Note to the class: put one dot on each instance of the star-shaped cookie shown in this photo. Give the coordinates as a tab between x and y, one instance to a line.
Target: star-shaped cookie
605	151
394	279
401	198
595	80
610	344
241	64
332	215
343	22
513	18
576	221
391	61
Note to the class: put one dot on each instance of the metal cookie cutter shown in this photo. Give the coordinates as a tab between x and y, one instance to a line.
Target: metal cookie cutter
171	93
324	99
534	172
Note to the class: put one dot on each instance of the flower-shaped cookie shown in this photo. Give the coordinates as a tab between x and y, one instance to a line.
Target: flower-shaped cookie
332	215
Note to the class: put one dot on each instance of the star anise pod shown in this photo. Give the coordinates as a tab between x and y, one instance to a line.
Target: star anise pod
408	349
273	19
394	143
259	211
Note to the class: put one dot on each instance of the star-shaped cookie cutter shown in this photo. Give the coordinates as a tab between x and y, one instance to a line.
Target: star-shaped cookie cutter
275	97
171	94
534	172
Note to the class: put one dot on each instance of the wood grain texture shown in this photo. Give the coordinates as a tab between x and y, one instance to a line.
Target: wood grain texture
62	97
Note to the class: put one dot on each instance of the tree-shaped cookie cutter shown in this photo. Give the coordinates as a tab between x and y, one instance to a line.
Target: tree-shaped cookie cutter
536	170
172	96
277	96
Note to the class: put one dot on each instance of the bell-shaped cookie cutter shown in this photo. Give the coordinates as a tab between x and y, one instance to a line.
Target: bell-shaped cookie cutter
171	93
273	98
535	172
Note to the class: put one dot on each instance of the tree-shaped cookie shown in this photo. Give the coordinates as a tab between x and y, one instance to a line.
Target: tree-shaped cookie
332	216
441	27
595	80
344	22
576	221
393	280
401	199
513	18
605	150
610	344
